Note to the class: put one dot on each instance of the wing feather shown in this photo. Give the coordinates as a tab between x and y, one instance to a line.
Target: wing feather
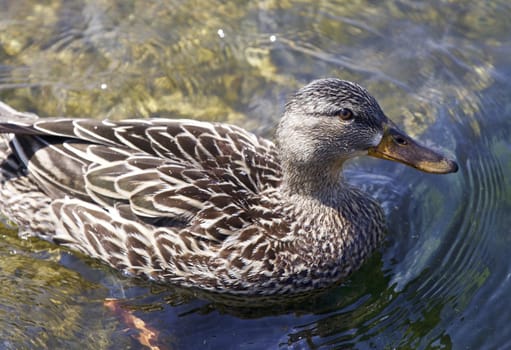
208	175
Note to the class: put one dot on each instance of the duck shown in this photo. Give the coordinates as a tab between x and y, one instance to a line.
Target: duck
209	205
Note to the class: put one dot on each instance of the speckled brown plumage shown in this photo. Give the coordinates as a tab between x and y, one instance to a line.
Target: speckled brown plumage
198	204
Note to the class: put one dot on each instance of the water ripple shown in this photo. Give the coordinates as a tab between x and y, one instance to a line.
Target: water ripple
441	70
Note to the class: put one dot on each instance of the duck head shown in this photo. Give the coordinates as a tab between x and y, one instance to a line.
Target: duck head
331	120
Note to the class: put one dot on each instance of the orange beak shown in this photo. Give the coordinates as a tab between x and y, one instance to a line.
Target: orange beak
397	146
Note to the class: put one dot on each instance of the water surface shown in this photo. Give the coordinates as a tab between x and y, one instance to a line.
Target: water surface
439	69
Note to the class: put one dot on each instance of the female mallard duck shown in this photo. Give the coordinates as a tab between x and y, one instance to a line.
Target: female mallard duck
209	205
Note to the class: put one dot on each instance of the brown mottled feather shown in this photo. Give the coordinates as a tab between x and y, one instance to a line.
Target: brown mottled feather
180	201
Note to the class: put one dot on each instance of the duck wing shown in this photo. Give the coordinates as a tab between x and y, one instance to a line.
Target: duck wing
161	168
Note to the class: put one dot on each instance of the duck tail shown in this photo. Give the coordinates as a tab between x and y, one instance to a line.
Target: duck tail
13	121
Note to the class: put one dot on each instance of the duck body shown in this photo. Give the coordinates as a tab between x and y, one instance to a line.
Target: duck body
197	204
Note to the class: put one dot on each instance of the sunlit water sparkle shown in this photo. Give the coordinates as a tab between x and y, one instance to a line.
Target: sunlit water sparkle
440	70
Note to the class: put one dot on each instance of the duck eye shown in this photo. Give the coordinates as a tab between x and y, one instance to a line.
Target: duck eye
346	114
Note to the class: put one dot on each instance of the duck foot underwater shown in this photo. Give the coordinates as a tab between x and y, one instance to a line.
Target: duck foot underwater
209	205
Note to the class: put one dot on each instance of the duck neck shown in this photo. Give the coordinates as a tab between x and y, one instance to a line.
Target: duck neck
322	182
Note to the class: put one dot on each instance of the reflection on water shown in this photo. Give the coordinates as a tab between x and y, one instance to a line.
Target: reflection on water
440	69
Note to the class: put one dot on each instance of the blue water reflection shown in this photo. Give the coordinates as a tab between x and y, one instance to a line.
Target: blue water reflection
441	70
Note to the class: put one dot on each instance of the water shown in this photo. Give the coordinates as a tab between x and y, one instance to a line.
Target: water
440	69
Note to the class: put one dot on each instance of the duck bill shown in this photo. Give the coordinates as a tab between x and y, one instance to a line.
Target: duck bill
399	147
